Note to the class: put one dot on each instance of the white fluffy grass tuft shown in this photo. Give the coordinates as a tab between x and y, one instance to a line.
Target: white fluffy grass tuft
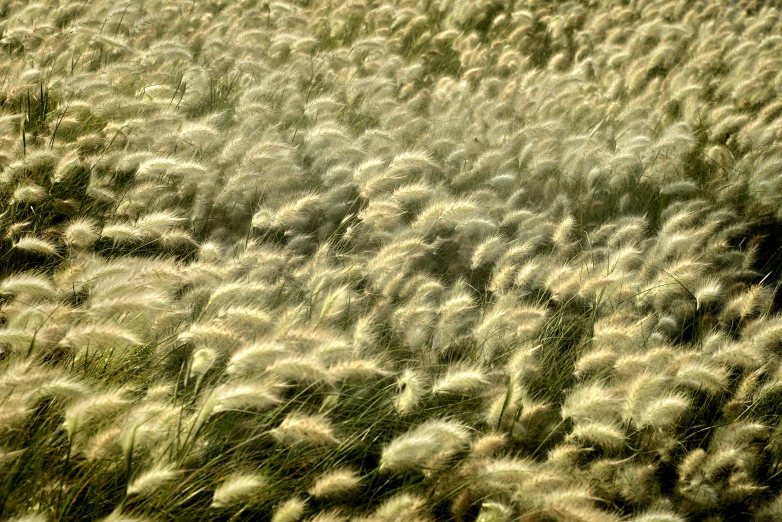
237	489
414	448
335	483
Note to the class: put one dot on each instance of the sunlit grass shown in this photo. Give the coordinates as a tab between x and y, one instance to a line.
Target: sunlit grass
383	261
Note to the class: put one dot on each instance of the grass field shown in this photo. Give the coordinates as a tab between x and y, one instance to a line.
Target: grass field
494	261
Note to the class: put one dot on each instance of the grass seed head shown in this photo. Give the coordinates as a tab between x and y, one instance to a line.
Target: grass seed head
335	483
301	429
152	480
289	511
237	489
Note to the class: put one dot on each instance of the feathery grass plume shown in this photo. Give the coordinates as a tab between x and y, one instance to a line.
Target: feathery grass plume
445	211
331	515
63	387
263	218
501	279
300	369
753	301
412	387
357	369
600	434
23	376
745	355
422	289
662	411
684	187
739	433
329	307
13	414
202	361
699	376
382	215
239	488
594	361
401	169
394	260
506	472
565	455
411	197
698	494
478	226
28	193
460	382
153	479
563	230
402	506
518	253
106	334
487	445
658	515
120	233
487	251
624	258
414	448
494	512
709	291
175	240
573	504
644	387
604	287
213	334
289	511
302	429
769	511
35	245
255	357
507	323
365	335
167	169
241	396
156	224
415	323
763	334
741	487
654	360
299	214
724	459
691	464
522	364
335	483
46	319
564	282
527	274
748	391
210	252
91	409
81	233
637	483
132	306
590	402
35	286
531	412
15	229
232	293
618	332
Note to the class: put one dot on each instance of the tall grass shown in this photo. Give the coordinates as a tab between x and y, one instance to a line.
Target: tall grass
381	261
